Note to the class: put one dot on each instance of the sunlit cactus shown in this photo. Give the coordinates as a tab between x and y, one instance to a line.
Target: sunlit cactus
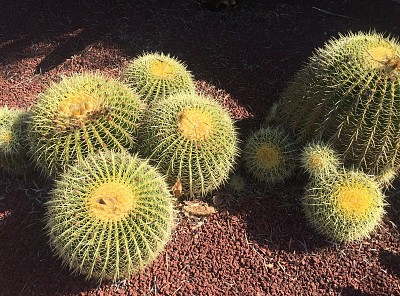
109	216
349	95
192	139
344	207
156	75
79	115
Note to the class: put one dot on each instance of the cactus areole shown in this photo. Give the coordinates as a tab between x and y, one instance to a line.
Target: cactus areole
349	94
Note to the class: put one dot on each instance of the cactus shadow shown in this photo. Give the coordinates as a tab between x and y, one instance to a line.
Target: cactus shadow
351	291
390	261
275	220
26	260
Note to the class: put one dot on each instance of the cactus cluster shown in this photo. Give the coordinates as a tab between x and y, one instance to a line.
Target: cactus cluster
13	140
345	206
109	216
155	76
79	115
349	95
192	140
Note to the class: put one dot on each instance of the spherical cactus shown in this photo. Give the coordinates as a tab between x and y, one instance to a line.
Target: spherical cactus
319	159
13	140
80	115
345	206
109	216
155	76
192	140
269	155
349	94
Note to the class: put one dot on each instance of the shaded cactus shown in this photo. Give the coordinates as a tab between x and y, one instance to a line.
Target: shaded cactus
155	76
109	216
269	155
319	160
349	95
192	140
80	115
345	206
13	140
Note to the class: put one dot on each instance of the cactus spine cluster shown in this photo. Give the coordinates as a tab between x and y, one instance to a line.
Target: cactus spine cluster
269	155
192	139
13	140
155	76
109	216
79	115
349	95
345	206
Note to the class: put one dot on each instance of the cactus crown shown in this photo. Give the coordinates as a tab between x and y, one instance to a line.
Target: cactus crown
319	159
195	124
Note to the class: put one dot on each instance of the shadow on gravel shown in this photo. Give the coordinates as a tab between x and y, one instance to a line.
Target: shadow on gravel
390	261
275	220
351	291
26	260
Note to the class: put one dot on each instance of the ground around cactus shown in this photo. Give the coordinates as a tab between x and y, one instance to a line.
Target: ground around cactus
257	242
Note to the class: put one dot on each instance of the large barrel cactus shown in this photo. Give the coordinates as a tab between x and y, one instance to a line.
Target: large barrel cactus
79	115
349	95
344	207
13	140
156	75
192	139
109	216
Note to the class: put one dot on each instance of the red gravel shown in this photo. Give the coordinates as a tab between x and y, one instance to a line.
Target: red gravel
244	55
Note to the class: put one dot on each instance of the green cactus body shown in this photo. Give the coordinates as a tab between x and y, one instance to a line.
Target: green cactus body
192	139
155	76
13	140
80	115
109	216
345	206
269	155
349	95
319	160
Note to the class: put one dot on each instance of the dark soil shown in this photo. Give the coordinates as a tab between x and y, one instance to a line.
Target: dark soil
245	54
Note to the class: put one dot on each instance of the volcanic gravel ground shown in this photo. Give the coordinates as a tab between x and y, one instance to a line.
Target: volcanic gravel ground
241	55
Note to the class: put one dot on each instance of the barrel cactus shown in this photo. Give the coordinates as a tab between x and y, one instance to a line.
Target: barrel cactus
156	75
13	140
349	94
79	115
109	216
269	155
192	139
344	207
319	159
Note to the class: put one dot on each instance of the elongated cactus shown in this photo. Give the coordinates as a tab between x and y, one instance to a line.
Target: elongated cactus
109	216
349	94
269	155
13	140
155	76
345	206
192	140
80	115
320	160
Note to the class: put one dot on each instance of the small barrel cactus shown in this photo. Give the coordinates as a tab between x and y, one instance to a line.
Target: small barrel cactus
319	159
192	139
80	115
345	206
269	155
13	140
155	76
349	95
109	216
